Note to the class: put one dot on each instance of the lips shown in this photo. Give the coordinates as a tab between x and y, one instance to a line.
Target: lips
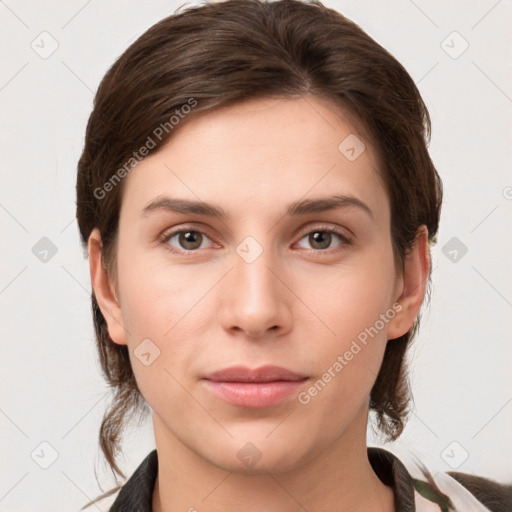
266	373
261	387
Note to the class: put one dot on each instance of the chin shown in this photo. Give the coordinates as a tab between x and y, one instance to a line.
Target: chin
257	454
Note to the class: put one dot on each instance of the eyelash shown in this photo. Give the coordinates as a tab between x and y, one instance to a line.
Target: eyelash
164	239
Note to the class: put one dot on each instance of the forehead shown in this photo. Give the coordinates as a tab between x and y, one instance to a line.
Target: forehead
260	153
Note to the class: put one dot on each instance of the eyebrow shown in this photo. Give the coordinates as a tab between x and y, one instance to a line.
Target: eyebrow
300	207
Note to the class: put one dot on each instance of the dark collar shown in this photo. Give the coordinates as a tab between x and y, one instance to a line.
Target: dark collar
137	493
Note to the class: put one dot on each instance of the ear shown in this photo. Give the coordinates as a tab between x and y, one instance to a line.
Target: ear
414	282
104	289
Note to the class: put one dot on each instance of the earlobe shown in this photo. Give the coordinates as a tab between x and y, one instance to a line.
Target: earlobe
104	289
415	276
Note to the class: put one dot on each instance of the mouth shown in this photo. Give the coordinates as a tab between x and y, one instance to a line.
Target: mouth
254	388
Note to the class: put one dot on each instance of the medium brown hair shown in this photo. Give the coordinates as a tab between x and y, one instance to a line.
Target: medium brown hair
223	53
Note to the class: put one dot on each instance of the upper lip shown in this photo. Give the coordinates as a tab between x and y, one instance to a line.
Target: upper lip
266	373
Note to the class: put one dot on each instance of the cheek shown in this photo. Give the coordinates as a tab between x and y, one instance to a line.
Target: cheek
165	311
351	298
347	360
158	296
354	304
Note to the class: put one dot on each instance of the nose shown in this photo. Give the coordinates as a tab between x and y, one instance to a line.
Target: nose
254	299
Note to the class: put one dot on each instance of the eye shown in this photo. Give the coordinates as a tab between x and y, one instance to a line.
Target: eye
190	240
187	240
321	238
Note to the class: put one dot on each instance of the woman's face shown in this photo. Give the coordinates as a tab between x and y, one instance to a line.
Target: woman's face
285	277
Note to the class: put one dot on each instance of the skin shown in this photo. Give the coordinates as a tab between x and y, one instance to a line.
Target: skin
298	305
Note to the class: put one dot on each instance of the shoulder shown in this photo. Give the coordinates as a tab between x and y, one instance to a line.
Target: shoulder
442	492
465	492
422	504
137	493
496	496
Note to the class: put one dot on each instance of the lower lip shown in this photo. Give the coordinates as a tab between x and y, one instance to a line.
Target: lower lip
254	394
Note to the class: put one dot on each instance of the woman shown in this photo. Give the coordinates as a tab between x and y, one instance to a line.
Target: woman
258	201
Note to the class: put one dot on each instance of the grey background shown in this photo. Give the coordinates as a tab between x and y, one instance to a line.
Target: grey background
52	391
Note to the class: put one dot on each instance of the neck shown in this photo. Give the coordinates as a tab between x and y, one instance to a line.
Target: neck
339	478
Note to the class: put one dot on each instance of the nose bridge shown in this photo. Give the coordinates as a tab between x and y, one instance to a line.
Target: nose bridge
253	300
252	263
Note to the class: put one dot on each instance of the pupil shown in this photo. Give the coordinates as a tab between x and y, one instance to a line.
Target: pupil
322	238
189	238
